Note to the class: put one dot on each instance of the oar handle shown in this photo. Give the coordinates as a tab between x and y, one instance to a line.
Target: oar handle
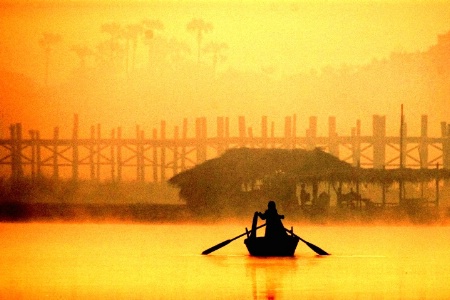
241	235
224	243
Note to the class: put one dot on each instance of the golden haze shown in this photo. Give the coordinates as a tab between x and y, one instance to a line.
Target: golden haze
282	57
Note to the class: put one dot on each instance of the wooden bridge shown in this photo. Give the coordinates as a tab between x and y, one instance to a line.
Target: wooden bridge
157	158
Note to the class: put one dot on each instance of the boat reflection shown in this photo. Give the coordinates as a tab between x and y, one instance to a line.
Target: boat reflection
269	275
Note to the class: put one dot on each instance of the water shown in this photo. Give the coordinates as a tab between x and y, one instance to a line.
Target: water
148	261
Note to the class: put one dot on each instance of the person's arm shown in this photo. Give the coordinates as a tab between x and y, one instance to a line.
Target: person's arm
262	216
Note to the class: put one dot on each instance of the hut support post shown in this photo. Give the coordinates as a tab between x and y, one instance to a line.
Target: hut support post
264	132
99	149
55	153
437	186
91	153
333	144
33	154
163	151
423	145
119	154
113	163
155	156
75	149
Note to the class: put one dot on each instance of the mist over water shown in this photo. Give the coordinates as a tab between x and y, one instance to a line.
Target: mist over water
124	261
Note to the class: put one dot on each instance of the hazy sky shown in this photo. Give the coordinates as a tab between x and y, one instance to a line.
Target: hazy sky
290	36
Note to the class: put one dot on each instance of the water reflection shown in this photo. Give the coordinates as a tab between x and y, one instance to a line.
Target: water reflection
268	275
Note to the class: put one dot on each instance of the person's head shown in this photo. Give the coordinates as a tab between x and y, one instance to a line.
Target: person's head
272	205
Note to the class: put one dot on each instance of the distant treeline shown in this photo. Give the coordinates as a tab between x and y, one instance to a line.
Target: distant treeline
111	87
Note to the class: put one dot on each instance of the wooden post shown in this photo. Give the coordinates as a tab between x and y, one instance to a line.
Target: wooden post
272	133
112	158
14	167
445	145
142	151
379	142
33	154
423	144
155	156
55	153
311	133
333	144
175	151
99	149
264	131
437	185
138	154
75	149
242	130
119	154
91	153
19	149
250	136
200	135
38	154
183	147
356	144
404	145
294	131
163	151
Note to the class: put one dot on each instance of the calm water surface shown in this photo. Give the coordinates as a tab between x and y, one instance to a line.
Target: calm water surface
136	261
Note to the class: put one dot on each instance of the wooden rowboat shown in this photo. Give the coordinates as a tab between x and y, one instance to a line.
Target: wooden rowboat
262	246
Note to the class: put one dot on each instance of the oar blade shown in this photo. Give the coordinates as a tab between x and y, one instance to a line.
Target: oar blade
216	247
313	247
316	249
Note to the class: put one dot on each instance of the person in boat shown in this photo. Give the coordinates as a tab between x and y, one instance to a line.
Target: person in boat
274	226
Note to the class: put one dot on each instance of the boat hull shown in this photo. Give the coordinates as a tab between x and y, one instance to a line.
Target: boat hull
261	246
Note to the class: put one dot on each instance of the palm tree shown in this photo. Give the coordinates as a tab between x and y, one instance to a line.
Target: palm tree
199	26
149	33
82	51
131	34
216	50
46	42
115	32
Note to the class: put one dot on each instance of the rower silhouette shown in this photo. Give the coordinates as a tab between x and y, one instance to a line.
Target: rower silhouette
274	226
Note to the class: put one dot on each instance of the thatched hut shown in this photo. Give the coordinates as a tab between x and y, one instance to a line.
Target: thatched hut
244	179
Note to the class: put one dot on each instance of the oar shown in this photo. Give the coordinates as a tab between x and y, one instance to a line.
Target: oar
313	247
224	243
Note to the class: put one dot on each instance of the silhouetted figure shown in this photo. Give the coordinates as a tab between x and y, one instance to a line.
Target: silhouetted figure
274	226
304	196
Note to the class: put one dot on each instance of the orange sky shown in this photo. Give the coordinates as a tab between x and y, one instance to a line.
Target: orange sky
291	36
287	37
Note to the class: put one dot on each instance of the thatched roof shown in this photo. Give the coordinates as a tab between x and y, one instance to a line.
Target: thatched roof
251	164
278	169
226	174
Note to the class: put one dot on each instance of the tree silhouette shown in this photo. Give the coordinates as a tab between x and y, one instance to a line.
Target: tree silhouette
199	27
46	42
131	35
115	32
216	50
82	51
149	34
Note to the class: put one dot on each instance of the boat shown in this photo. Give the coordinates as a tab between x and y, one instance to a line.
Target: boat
282	244
262	246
